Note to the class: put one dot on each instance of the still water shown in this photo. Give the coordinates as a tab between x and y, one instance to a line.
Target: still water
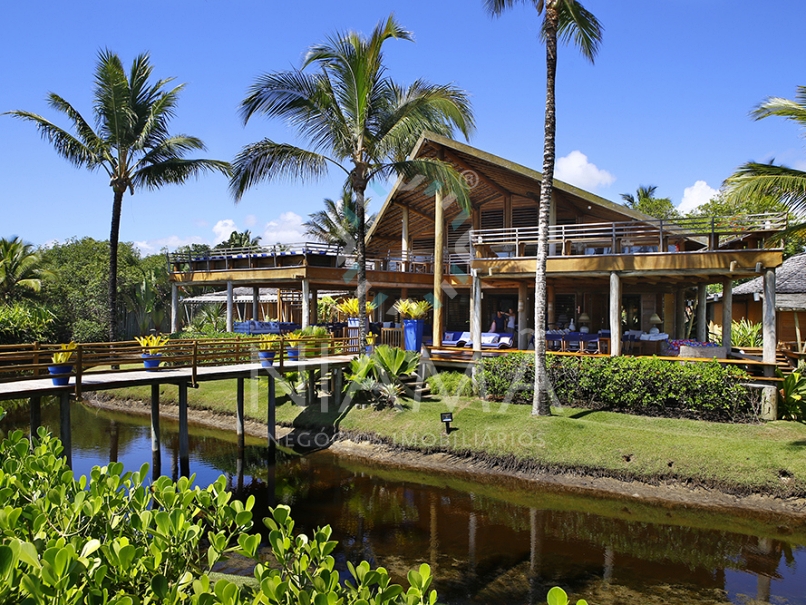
502	542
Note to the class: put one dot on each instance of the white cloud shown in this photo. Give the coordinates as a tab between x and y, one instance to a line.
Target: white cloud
172	242
223	228
575	169
250	220
283	230
696	195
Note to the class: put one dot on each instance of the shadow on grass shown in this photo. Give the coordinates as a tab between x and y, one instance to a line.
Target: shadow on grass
797	445
582	414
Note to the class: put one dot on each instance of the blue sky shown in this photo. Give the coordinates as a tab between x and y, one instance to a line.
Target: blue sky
666	103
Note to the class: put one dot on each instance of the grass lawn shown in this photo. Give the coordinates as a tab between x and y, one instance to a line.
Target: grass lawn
767	458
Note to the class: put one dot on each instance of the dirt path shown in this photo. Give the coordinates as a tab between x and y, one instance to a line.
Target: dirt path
664	494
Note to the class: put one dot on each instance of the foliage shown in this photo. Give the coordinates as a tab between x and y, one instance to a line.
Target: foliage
209	319
557	596
240	241
645	201
131	143
65	353
109	538
20	268
325	309
412	309
456	384
338	222
792	396
349	307
312	341
743	333
378	377
639	385
269	342
147	299
25	322
152	343
392	362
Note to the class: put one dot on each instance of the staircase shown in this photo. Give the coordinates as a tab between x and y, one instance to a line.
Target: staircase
415	388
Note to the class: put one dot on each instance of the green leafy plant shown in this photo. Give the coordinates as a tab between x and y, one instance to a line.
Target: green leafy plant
792	396
349	307
412	309
743	333
269	342
455	384
392	363
65	353
557	596
153	343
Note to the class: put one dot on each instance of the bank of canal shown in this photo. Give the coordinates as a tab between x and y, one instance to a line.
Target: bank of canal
489	541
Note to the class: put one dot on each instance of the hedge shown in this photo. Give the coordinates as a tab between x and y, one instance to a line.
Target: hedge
639	385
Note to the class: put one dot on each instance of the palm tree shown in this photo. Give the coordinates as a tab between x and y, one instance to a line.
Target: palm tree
338	222
566	20
240	240
19	268
353	117
645	201
130	142
755	180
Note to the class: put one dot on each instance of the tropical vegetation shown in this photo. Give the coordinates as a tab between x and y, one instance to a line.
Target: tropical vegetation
355	118
645	201
412	309
338	222
130	143
21	270
567	21
240	240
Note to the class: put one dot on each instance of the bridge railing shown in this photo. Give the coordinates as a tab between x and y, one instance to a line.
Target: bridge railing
27	362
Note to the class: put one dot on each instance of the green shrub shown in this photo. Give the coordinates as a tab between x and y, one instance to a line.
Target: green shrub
792	396
451	384
640	385
377	378
25	322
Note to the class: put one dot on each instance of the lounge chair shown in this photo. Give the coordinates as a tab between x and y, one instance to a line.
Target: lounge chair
455	339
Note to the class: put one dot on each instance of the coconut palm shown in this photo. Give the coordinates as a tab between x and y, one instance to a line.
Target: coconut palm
566	20
19	268
338	222
240	240
645	201
755	180
355	118
130	142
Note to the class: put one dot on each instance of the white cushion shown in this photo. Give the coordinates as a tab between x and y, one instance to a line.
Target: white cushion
489	339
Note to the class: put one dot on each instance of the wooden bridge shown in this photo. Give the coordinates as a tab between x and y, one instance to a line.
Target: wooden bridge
184	363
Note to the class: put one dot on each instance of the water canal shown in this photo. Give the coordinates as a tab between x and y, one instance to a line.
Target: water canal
488	543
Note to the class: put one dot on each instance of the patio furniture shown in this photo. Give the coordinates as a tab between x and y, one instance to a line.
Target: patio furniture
455	339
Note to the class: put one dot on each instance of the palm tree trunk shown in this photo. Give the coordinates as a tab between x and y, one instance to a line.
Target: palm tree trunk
361	257
114	235
540	403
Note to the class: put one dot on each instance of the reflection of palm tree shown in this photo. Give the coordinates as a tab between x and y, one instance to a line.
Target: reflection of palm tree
567	20
338	222
131	143
356	118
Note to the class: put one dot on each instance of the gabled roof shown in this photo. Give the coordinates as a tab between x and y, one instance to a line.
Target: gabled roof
492	177
790	278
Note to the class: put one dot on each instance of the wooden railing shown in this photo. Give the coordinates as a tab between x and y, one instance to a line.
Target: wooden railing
31	361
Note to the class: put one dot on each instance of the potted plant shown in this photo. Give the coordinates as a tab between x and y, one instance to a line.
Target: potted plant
268	346
349	307
413	312
152	344
61	368
294	341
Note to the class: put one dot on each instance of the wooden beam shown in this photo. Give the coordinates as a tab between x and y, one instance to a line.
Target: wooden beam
414	210
454	159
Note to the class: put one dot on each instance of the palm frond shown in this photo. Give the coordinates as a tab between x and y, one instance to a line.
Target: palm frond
438	175
755	180
65	144
113	111
267	160
784	108
578	25
176	171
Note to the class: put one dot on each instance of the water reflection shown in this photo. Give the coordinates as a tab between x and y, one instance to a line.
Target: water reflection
487	543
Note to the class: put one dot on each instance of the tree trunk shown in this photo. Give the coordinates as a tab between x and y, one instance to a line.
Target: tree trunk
540	403
114	235
361	257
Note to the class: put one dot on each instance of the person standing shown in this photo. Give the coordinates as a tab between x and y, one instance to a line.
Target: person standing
511	321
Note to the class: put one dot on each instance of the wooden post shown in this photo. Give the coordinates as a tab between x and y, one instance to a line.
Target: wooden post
680	313
280	316
702	316
174	307
615	314
184	437
727	313
65	430
155	429
305	320
769	397
36	415
239	419
475	313
508	211
439	247
256	303
271	420
314	305
405	239
522	333
229	306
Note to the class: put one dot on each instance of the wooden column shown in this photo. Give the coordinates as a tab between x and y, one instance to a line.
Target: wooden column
769	397
439	247
155	430
727	313
475	312
174	308
229	306
680	313
615	314
305	320
65	431
184	437
508	211
314	305
280	305
35	415
522	334
405	239
255	303
702	315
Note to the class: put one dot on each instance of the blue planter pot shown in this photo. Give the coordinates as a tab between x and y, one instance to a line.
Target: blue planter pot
293	354
60	374
151	362
413	334
266	358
